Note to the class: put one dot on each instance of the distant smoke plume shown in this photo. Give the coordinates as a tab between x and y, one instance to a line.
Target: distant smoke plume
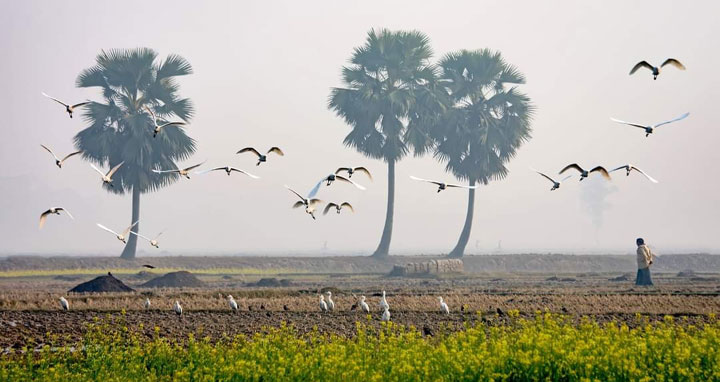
594	195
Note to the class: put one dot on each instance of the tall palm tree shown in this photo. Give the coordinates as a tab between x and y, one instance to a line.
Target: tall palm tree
486	123
383	85
121	129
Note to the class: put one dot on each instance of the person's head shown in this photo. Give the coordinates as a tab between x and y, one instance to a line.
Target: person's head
640	241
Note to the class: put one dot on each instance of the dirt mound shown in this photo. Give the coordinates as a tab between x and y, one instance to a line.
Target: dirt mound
620	278
181	279
686	273
271	283
106	283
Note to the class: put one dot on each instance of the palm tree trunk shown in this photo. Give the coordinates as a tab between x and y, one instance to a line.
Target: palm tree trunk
383	248
131	246
459	249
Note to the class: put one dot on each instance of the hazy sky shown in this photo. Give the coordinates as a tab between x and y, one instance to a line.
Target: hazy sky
263	72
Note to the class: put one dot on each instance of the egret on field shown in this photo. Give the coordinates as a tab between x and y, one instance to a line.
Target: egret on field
364	305
147	303
64	303
443	306
383	302
330	302
232	303
656	70
262	157
386	315
442	185
584	173
323	304
177	308
59	162
68	108
52	211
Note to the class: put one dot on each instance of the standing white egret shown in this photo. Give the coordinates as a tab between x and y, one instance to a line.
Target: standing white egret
232	303
323	305
158	127
364	305
386	315
584	173
262	157
147	303
442	185
107	177
180	171
628	168
443	306
330	302
177	308
120	236
649	129
52	211
656	70
310	204
64	303
153	242
69	108
556	183
59	162
383	302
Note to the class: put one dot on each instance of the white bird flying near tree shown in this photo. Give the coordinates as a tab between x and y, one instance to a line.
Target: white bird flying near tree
649	129
310	204
59	162
353	170
180	171
120	236
262	157
52	211
556	183
328	180
158	127
656	70
628	168
584	173
338	207
68	107
442	185
107	177
228	170
153	242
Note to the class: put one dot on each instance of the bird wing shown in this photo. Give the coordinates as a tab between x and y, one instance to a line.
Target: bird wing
66	211
628	123
425	180
50	151
341	169
460	186
244	172
139	235
565	178
348	205
127	230
97	169
209	170
108	229
298	204
328	207
344	179
160	234
364	170
545	176
294	192
673	62
79	104
276	150
641	64
163	171
314	202
672	120
249	149
56	100
194	166
70	155
315	189
43	218
650	178
619	168
574	166
602	171
114	169
170	124
152	115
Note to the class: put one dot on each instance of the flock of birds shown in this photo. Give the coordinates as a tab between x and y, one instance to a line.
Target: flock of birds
309	202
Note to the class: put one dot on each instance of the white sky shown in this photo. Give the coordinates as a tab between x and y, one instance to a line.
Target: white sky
263	73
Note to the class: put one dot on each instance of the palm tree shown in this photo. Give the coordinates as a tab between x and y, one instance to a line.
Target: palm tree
388	80
121	129
486	123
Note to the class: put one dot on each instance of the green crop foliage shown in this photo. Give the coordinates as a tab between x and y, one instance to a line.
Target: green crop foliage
547	348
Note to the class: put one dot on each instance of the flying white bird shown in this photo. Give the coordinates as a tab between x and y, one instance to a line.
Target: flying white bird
158	127
364	305
443	306
328	180
649	129
323	305
69	108
383	302
628	168
107	177
52	211
262	157
584	173
310	204
386	315
177	308
330	302
64	303
153	241
556	183
353	170
654	69
232	303
182	172
228	170
441	185
147	304
59	162
338	207
120	236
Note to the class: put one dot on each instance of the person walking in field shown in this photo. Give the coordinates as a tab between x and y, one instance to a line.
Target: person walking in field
645	259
